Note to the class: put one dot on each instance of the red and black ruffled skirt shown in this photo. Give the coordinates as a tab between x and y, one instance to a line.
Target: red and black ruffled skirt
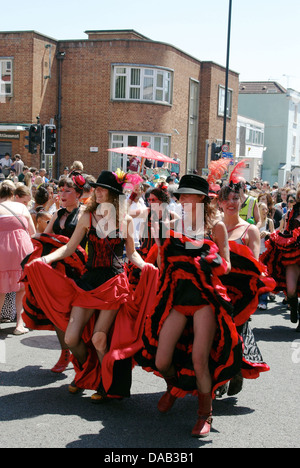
245	283
189	280
55	294
282	250
73	267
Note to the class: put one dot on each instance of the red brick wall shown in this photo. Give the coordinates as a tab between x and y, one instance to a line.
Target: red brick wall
211	124
19	46
88	113
33	95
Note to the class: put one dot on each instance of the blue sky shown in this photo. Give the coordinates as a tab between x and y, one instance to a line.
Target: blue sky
265	34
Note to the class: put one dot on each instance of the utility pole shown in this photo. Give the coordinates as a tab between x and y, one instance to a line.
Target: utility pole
227	72
60	57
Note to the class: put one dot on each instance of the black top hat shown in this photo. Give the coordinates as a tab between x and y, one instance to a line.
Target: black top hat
193	184
109	181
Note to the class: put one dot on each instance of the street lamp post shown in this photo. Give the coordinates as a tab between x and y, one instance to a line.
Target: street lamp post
227	72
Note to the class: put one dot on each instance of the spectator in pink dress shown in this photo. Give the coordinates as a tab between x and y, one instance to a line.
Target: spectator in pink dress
16	229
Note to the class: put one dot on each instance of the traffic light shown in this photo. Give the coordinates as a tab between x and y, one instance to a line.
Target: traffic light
49	139
215	152
34	138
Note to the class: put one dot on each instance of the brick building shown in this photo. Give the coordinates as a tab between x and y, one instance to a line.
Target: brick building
116	88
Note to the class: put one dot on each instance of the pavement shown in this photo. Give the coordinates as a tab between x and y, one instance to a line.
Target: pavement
36	410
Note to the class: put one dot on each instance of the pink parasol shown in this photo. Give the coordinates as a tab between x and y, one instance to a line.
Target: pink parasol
144	152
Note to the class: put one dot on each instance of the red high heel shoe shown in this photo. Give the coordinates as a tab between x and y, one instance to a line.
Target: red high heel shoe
167	400
204	422
63	362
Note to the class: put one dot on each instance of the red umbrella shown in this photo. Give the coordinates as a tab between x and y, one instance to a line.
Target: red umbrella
143	152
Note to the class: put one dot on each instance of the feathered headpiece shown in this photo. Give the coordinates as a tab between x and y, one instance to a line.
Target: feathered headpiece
217	169
236	175
127	180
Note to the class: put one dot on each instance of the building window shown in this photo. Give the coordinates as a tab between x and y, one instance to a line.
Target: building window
221	105
5	77
142	84
160	143
294	145
254	135
296	114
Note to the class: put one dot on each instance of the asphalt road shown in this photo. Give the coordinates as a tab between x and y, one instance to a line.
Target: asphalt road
36	410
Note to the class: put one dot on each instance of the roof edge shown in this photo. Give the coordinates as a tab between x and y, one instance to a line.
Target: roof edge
117	31
30	31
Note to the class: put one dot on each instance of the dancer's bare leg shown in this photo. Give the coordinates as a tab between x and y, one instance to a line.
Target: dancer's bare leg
73	338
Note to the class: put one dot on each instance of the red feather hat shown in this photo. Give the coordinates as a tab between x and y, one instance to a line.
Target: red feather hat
216	171
236	175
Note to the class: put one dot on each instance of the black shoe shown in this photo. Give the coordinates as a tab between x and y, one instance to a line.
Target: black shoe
236	385
293	303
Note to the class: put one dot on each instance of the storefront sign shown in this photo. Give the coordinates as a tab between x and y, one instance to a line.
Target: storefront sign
9	136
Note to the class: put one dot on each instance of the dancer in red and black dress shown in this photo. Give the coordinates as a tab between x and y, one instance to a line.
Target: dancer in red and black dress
190	338
246	281
157	212
101	323
282	259
62	225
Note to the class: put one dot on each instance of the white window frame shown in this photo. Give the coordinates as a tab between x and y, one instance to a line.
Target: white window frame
294	146
296	114
154	84
8	71
221	101
158	142
254	135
